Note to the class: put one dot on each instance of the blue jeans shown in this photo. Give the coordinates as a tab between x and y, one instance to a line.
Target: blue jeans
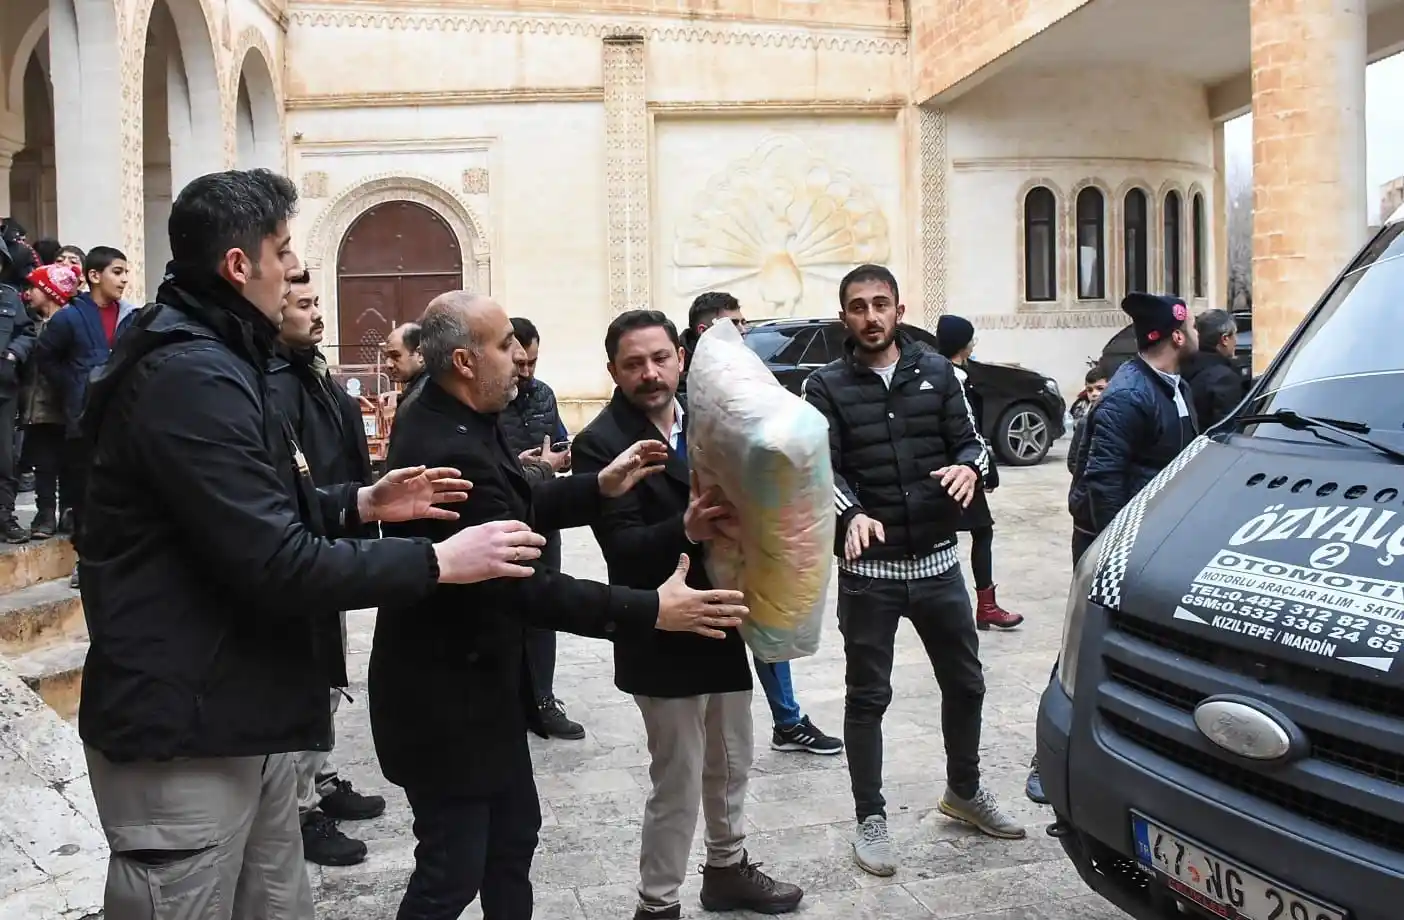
779	692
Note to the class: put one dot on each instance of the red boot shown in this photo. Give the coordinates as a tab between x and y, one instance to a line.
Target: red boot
988	612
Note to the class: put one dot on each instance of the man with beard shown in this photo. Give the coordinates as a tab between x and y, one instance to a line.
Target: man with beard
694	694
328	426
906	463
1145	417
450	680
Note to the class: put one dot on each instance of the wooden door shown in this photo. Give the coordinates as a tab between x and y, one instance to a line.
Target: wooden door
393	260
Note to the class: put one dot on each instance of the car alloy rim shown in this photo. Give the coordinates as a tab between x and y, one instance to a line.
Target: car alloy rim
1028	435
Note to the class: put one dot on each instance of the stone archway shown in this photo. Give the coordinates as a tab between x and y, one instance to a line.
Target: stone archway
27	176
332	224
258	106
182	125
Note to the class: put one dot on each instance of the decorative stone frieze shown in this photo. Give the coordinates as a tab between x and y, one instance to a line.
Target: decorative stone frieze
935	210
313	184
626	172
475	181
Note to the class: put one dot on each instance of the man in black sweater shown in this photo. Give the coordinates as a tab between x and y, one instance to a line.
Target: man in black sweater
694	694
906	462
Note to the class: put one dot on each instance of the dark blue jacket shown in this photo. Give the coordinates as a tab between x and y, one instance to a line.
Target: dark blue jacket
72	346
1131	434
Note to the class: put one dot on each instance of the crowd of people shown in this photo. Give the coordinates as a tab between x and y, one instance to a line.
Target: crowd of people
226	516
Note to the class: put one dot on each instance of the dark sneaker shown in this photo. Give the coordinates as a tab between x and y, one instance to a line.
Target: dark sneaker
1033	786
346	804
324	844
43	526
983	812
803	736
556	723
13	532
66	522
671	912
26	482
745	887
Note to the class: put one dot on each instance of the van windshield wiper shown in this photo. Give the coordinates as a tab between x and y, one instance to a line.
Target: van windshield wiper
1355	431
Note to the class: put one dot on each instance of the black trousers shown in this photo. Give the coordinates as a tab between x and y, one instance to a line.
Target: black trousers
470	846
9	482
44	452
541	643
75	470
869	610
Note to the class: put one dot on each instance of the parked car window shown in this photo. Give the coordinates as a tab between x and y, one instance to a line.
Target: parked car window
835	334
779	344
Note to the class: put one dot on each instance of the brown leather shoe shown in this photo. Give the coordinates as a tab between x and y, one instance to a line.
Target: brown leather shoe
745	887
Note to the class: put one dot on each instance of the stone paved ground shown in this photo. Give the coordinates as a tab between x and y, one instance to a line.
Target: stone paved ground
800	811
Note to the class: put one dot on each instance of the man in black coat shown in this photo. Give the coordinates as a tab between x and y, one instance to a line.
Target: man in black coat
327	422
16	343
694	695
1215	382
212	582
450	682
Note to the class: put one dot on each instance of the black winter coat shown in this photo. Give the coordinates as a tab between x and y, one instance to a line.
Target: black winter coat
532	416
641	536
450	684
886	442
1217	386
977	514
210	586
1131	434
17	336
325	418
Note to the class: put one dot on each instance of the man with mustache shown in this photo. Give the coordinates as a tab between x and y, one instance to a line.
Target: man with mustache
327	423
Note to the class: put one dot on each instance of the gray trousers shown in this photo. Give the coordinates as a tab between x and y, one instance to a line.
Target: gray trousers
315	774
207	839
701	748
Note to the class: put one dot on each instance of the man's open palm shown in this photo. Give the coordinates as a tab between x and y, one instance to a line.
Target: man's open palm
414	493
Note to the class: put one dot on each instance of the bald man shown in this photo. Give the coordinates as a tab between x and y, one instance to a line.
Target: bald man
450	688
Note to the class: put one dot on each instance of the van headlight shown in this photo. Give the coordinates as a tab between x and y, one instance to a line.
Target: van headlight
1074	616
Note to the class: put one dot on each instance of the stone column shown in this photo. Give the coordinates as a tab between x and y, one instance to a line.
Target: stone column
1309	216
1218	226
626	172
8	148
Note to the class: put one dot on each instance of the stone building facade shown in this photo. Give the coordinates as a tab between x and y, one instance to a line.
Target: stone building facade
1021	162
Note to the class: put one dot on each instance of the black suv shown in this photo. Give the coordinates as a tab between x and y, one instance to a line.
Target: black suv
1024	411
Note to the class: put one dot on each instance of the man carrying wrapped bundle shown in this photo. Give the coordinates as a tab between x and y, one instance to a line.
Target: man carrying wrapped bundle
906	462
694	693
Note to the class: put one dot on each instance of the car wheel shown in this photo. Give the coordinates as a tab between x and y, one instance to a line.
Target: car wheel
1022	437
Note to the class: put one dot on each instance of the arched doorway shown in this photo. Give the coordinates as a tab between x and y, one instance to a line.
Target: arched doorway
393	260
260	137
33	196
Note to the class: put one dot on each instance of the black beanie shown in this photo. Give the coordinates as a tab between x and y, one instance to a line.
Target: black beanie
953	333
1154	316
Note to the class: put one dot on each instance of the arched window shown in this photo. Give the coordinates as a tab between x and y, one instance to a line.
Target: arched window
1091	245
1040	245
1197	244
1134	234
1172	243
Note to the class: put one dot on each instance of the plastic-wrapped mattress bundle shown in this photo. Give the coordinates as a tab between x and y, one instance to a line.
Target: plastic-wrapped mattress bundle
768	451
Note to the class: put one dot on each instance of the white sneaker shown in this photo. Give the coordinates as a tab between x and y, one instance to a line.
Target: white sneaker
872	848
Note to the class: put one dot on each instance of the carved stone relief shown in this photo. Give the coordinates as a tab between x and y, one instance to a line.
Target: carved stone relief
475	181
935	175
626	172
778	217
314	184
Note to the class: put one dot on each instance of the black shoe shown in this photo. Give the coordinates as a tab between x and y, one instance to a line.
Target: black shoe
346	804
803	736
65	526
324	844
745	887
26	482
44	525
13	532
557	725
672	912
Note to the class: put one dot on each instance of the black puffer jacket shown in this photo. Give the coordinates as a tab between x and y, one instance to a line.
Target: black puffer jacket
885	443
532	416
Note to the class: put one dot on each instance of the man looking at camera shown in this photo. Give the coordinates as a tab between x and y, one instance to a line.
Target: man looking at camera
212	582
906	461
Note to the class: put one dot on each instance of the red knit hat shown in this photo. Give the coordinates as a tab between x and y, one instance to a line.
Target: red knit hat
58	281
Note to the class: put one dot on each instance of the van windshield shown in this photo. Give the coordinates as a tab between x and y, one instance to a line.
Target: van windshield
1348	363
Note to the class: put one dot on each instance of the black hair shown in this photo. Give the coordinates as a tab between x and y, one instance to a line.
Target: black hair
236	209
98	258
707	307
47	250
76	250
525	331
867	273
1095	373
12	230
304	278
631	320
411	334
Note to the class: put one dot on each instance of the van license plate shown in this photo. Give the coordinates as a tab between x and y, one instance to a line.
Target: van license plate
1220	886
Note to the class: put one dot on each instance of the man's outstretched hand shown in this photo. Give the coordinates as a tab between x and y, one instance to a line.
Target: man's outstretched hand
639	461
411	494
707	613
497	549
960	481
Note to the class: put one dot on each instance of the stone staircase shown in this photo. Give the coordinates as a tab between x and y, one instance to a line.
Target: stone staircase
53	856
43	638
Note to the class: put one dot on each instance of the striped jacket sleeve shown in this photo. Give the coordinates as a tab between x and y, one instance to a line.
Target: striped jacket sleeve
846	505
964	443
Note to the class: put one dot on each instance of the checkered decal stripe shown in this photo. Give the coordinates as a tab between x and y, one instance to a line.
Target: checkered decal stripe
1124	528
